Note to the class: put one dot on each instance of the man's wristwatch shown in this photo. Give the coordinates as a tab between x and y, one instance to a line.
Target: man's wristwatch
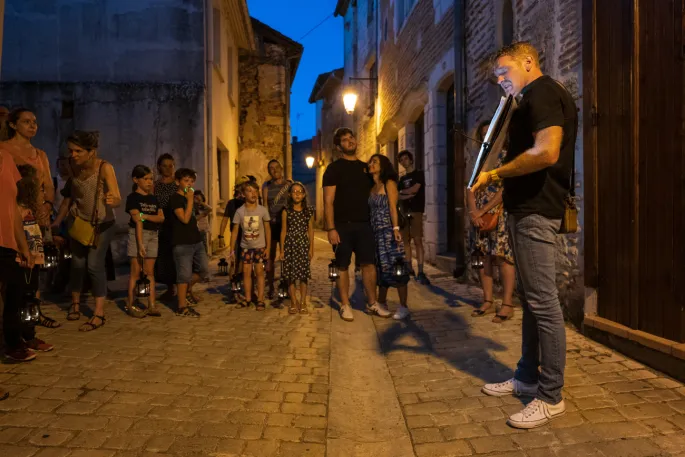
396	228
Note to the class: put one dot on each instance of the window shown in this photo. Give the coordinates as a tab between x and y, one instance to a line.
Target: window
217	39
403	8
507	23
222	170
229	75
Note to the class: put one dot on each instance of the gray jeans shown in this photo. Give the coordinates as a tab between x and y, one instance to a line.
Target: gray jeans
544	336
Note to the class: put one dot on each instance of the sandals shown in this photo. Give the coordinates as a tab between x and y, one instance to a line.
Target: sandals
154	311
294	307
74	314
304	310
134	311
242	303
498	319
480	311
261	306
187	311
47	322
90	326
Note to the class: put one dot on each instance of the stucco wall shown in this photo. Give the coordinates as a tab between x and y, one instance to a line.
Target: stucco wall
137	124
103	40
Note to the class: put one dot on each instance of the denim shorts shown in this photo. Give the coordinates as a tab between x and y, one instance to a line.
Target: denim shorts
150	242
189	259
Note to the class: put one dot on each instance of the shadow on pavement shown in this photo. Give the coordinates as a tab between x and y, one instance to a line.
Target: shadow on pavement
446	335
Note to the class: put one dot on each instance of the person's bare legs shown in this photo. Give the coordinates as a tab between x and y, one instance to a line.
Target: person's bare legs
403	292
382	295
343	284
303	294
486	282
181	296
259	272
406	236
418	244
149	270
133	277
369	280
247	281
293	296
507	274
271	272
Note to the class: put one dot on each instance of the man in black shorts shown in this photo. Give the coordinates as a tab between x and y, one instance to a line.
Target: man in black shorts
346	188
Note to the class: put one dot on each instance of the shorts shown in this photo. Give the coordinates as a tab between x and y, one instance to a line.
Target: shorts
357	238
189	259
413	228
150	243
250	256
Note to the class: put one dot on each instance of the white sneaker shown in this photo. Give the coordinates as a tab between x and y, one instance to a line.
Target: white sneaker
378	309
510	387
346	313
401	313
537	413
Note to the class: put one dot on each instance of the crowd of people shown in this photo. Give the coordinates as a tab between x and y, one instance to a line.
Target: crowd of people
516	211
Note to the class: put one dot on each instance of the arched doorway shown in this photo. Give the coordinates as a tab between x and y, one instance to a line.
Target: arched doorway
449	151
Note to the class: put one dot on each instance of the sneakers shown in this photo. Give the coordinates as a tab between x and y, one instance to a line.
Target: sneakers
537	413
39	345
401	313
423	279
187	311
346	313
510	387
378	309
20	354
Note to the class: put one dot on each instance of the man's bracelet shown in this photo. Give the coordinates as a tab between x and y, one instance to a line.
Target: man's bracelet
330	230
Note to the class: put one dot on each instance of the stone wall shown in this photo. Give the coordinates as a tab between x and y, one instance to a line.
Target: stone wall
264	124
103	40
560	48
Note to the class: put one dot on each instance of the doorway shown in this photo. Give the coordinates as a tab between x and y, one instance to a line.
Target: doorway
450	172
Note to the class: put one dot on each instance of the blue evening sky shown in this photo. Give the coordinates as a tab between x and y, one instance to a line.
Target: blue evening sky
323	49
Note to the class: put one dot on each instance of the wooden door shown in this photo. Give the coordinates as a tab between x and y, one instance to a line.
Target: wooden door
637	164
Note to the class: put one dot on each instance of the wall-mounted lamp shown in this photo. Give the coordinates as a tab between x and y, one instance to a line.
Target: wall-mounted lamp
350	96
310	161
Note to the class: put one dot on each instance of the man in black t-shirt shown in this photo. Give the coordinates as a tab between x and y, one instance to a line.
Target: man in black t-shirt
537	178
412	188
346	189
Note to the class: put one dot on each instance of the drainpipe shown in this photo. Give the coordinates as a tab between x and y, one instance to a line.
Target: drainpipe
209	136
459	124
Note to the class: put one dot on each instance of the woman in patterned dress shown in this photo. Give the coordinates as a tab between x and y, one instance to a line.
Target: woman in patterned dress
297	245
494	244
165	187
384	221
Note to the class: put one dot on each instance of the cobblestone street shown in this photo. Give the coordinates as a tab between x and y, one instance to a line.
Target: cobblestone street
242	383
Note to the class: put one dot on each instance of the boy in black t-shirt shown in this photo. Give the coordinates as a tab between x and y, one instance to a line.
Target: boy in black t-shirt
412	188
189	250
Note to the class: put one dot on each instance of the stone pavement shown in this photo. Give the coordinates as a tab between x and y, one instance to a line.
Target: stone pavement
243	383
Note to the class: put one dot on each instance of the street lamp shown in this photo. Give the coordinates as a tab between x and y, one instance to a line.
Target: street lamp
309	161
350	101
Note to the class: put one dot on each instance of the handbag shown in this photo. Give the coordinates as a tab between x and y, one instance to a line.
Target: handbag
569	221
490	220
83	231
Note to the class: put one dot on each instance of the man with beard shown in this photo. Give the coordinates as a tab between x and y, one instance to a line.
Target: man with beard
537	178
346	189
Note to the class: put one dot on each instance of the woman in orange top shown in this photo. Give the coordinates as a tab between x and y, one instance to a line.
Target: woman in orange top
22	127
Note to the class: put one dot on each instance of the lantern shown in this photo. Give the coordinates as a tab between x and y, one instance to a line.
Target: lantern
350	101
399	269
283	289
223	267
66	252
333	272
477	259
237	284
51	257
30	312
143	286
